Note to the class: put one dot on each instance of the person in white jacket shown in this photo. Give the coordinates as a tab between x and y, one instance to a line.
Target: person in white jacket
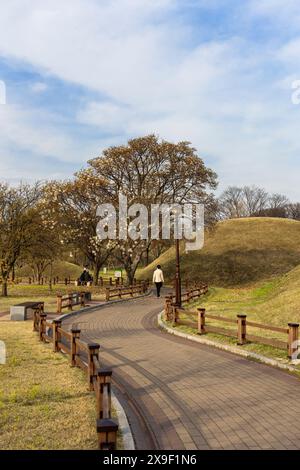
158	279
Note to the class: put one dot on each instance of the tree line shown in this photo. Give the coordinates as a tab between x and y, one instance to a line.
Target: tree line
39	223
252	201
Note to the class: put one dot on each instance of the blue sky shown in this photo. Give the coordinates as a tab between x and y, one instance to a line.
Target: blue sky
82	75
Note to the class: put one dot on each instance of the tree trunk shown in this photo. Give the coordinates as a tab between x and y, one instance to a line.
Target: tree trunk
51	274
130	277
4	288
96	274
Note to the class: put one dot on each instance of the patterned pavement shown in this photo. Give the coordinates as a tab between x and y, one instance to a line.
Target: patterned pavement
191	396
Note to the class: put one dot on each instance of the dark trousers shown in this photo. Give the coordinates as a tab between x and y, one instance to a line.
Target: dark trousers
158	287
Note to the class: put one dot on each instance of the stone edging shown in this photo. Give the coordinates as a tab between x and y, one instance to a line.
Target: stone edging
124	426
225	347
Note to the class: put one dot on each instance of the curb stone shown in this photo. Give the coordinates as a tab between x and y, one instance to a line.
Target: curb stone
232	349
124	426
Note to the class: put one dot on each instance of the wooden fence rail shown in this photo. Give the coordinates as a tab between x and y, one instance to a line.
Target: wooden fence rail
86	356
186	297
197	320
140	288
70	300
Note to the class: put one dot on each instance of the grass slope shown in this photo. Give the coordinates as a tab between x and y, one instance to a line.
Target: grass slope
238	252
274	302
61	269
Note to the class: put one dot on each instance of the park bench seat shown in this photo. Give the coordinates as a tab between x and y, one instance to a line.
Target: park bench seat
23	311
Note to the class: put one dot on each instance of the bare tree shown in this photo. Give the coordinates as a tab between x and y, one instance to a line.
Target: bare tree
251	201
278	201
293	211
232	204
255	199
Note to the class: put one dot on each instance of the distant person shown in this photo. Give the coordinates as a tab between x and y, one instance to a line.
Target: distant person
158	279
85	277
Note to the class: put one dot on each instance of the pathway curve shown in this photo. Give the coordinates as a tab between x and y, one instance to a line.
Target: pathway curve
192	396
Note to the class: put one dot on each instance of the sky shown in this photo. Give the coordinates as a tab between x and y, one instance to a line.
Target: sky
82	75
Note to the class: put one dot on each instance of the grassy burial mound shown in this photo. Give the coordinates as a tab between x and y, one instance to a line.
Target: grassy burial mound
62	269
238	252
275	302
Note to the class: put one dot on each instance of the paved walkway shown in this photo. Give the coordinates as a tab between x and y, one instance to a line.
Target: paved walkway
192	396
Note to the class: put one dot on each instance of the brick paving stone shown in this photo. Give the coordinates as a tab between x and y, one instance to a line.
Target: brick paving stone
190	395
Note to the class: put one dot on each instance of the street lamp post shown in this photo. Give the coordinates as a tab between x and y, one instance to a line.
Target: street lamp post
177	276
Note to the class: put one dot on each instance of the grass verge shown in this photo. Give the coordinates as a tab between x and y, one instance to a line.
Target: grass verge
44	403
23	293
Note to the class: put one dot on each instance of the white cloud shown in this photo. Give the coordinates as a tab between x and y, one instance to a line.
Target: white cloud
29	131
39	87
220	94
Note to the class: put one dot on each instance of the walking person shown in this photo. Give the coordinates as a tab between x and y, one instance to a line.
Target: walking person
158	279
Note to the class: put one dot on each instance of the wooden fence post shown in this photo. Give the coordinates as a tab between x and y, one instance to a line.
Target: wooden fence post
59	303
36	318
82	299
107	434
75	335
293	339
70	298
93	350
110	281
107	428
242	327
56	334
201	321
104	402
43	317
175	315
107	294
168	302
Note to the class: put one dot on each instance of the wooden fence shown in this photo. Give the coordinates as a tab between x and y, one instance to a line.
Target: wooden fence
186	297
67	281
70	300
239	329
86	356
118	292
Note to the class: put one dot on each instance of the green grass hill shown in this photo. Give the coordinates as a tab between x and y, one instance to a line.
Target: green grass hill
274	302
237	252
61	269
